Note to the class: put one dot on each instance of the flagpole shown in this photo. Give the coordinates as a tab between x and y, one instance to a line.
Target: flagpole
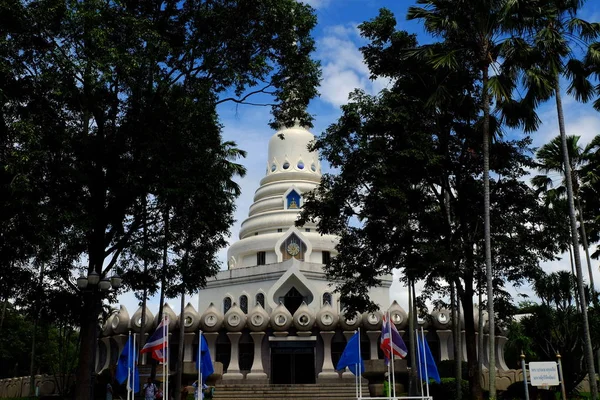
359	365
393	377
133	349
425	358
199	386
166	353
128	363
419	360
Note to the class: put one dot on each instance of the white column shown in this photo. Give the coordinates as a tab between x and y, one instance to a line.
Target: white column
257	372
211	340
373	336
445	337
188	347
500	343
327	370
233	370
347	374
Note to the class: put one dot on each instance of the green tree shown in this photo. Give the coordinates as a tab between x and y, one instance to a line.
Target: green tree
557	38
410	175
480	34
550	160
85	97
556	327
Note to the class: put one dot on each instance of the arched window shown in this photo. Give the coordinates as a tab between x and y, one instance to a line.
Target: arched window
244	303
226	304
293	200
293	247
326	298
260	299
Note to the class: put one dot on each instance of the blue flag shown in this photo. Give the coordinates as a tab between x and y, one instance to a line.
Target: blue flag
351	356
425	355
127	364
204	361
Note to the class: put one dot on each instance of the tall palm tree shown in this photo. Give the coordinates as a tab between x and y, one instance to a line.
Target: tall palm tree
590	193
481	35
550	160
556	36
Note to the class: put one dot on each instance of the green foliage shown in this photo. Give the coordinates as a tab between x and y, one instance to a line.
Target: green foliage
56	352
108	123
555	327
446	390
447	369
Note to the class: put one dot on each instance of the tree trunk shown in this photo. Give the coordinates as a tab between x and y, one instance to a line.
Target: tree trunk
487	229
466	295
142	340
587	251
418	387
574	274
459	358
480	348
35	324
85	369
163	278
455	341
588	350
179	371
4	305
411	337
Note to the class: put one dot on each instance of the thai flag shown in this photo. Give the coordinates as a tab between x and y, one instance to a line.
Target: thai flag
391	340
158	341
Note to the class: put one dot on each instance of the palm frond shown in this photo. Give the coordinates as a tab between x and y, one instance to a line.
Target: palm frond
585	30
580	86
445	60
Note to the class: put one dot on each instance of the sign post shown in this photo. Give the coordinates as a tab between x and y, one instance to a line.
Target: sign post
562	377
524	376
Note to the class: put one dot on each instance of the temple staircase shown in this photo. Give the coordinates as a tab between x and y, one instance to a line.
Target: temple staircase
333	391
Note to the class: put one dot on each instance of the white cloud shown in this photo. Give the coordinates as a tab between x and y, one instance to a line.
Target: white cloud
343	66
316	3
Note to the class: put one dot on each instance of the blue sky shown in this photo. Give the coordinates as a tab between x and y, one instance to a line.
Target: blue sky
338	41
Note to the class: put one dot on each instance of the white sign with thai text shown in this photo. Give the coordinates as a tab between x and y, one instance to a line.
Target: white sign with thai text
543	373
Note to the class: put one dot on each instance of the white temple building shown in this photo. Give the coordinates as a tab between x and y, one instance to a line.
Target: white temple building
275	271
273	318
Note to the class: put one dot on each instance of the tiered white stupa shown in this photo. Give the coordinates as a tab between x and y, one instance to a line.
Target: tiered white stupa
278	268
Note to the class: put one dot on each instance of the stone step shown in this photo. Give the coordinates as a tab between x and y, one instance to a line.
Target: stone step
333	391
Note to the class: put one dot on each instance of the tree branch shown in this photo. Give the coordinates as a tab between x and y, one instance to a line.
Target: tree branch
243	99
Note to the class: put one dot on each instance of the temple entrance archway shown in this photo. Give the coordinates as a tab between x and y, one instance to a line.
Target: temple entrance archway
293	300
292	362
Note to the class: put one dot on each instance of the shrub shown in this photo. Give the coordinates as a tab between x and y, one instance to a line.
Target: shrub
446	390
447	369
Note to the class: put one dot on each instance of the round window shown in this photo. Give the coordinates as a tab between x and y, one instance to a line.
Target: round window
303	320
115	322
188	321
210	320
373	319
397	319
326	319
286	165
273	168
234	320
280	320
313	167
257	320
300	165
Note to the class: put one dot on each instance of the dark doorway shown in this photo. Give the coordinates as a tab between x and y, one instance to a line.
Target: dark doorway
293	300
293	363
